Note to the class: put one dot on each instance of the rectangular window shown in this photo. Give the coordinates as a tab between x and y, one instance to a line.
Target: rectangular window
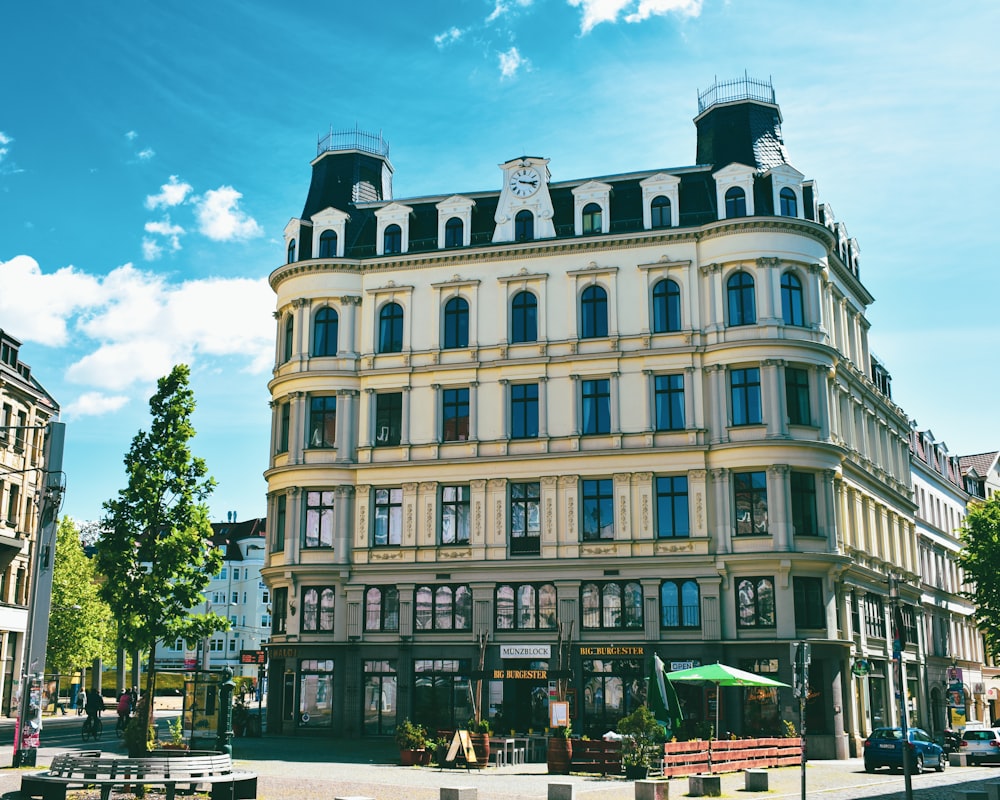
19	431
317	608
669	391
751	503
323	421
524	411
810	611
284	425
755	603
874	616
455	515
13	498
319	519
280	517
672	507
597	518
525	520
744	394
804	519
279	610
388	517
8	412
797	396
388	418
596	406
455	415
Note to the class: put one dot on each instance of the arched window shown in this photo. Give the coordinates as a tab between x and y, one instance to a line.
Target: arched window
289	338
791	299
291	251
392	240
736	203
592	218
527	606
632	606
454	232
679	604
328	244
423	609
456	323
326	610
755	603
505	608
593	313
390	329
523	318
742	306
666	306
382	609
789	204
590	602
524	226
325	332
547	606
444	608
612	605
660	213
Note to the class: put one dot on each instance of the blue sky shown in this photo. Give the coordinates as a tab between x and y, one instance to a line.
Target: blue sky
151	154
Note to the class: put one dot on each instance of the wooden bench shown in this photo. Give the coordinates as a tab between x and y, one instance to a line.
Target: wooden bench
192	769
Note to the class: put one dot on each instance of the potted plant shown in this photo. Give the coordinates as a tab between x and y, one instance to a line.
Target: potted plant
176	729
479	734
440	754
560	750
641	737
411	739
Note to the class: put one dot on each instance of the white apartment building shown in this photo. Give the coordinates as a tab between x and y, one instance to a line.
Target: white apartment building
543	431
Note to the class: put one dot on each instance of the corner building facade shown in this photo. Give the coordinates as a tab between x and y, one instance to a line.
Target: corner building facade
543	432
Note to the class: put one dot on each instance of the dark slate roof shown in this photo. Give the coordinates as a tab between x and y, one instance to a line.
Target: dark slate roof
227	535
980	462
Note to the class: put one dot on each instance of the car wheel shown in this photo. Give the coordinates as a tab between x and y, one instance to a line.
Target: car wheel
918	764
942	763
869	767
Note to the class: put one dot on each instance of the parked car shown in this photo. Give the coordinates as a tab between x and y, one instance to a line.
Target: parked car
981	745
884	748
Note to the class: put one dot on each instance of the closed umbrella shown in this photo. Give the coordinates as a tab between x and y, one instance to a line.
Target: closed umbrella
720	675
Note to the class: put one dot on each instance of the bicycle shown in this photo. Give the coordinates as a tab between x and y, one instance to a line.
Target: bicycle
92	729
121	725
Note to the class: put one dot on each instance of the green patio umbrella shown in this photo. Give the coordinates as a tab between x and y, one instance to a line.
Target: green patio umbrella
720	675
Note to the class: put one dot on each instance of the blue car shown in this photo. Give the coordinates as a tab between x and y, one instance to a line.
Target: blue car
884	748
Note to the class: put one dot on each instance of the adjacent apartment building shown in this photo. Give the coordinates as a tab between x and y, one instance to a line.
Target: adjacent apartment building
540	432
25	409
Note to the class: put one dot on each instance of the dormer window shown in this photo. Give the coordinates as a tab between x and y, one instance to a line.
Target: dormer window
454	232
328	244
392	240
736	203
291	251
591	219
660	212
524	226
789	203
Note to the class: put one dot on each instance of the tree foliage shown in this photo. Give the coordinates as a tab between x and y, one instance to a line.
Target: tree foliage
155	551
80	625
980	559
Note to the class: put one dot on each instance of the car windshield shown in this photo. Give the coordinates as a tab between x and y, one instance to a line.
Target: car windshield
978	736
887	733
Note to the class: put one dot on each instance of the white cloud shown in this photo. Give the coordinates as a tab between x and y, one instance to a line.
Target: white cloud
151	249
145	155
164	228
597	11
512	61
4	141
448	37
131	135
172	193
220	218
94	404
502	8
9	168
131	326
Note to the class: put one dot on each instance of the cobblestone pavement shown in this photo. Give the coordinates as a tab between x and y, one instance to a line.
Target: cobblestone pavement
322	769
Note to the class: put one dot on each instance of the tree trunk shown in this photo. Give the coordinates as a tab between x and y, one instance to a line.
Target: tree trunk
150	690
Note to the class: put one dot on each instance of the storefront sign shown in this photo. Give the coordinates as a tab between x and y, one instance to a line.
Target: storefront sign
529	651
520	674
613	650
861	668
282	652
252	657
676	665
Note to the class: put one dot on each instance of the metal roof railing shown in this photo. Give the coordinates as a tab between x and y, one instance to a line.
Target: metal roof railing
745	88
355	139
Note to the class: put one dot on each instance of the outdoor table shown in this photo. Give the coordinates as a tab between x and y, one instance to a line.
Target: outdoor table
538	745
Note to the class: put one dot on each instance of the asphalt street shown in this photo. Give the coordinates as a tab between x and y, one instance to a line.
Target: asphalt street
322	769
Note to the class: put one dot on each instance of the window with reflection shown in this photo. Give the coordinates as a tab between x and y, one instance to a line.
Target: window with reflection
666	306
443	608
456	323
788	202
597	518
740	294
325	332
755	603
791	299
388	517
736	203
592	218
454	515
382	608
523	318
322	421
750	490
680	604
317	608
611	605
318	530
525	520
526	606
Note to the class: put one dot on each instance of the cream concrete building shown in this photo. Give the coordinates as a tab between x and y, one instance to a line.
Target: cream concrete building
545	431
25	409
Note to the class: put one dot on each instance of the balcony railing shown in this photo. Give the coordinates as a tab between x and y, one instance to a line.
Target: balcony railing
355	139
745	88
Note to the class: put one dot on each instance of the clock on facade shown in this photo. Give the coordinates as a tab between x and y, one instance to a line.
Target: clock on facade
524	182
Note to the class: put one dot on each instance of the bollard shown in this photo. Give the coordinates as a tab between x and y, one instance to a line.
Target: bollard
992	790
755	780
458	793
704	785
652	790
560	791
958	760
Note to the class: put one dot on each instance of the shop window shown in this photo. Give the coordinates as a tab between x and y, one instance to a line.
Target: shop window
526	606
672	507
593	313
317	608
525	519
388	517
443	608
611	689
319	519
595	402
744	396
810	610
750	490
680	604
666	306
755	603
442	696
668	391
381	698
523	318
611	605
315	693
325	332
740	299
456	323
761	714
382	608
455	515
323	421
455	415
597	517
803	491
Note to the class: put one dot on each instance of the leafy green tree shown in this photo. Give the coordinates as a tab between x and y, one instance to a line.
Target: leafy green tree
980	558
81	626
156	552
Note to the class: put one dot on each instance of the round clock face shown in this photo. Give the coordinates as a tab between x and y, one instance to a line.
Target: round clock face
525	182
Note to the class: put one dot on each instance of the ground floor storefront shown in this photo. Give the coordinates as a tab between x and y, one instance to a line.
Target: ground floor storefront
366	689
